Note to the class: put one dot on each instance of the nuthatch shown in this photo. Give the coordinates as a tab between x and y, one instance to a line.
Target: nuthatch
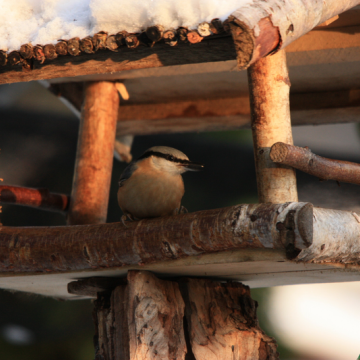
153	186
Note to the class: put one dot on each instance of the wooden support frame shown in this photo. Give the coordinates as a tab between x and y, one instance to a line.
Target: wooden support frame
269	88
94	157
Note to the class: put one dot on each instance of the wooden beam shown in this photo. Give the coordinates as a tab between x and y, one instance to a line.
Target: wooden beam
94	157
270	26
39	198
104	62
269	88
69	248
220	113
325	169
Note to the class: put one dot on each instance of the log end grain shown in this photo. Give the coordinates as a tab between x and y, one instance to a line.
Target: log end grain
279	152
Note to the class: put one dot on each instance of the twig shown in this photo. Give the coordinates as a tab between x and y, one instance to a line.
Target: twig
303	159
39	198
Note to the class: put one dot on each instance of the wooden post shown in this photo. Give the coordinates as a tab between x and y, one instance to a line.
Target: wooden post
269	87
222	322
142	320
94	158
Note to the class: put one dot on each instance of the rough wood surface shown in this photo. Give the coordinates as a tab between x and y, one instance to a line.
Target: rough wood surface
142	320
102	246
262	26
155	311
39	198
103	317
269	88
94	157
222	322
103	62
323	168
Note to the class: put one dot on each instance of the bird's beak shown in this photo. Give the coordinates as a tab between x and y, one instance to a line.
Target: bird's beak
193	166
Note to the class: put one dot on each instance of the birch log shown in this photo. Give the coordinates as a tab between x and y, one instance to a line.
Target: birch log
336	238
269	88
68	248
94	157
222	322
326	169
260	27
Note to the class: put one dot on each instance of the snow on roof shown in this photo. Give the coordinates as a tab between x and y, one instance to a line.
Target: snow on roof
47	21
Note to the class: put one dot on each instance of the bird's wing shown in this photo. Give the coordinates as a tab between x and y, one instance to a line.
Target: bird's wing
127	173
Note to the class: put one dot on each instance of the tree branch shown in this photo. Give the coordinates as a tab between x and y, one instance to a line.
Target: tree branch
39	198
69	248
265	26
326	169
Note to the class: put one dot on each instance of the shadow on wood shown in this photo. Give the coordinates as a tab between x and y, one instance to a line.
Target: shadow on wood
144	320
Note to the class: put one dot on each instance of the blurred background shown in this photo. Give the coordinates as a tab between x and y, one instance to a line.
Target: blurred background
38	136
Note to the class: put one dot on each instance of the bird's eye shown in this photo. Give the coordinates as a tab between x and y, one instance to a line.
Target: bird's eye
171	158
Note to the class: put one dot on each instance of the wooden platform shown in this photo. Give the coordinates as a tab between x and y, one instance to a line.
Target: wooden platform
256	268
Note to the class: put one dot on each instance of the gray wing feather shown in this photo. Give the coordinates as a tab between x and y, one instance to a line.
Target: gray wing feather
127	173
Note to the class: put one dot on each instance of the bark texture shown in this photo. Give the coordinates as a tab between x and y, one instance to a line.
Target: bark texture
326	169
222	322
94	157
39	198
269	88
260	27
140	321
336	238
69	248
106	62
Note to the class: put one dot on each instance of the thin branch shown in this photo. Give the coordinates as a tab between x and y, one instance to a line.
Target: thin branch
326	169
39	198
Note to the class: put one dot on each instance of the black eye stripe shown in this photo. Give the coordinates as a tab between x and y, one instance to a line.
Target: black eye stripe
164	156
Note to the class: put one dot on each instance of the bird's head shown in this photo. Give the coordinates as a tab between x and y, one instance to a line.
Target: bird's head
170	160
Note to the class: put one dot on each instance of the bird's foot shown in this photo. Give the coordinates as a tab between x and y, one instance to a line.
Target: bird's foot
183	210
128	217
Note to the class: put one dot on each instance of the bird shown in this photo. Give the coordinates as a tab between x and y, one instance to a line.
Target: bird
152	186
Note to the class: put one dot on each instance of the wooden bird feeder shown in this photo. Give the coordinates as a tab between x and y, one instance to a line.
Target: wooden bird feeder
150	276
